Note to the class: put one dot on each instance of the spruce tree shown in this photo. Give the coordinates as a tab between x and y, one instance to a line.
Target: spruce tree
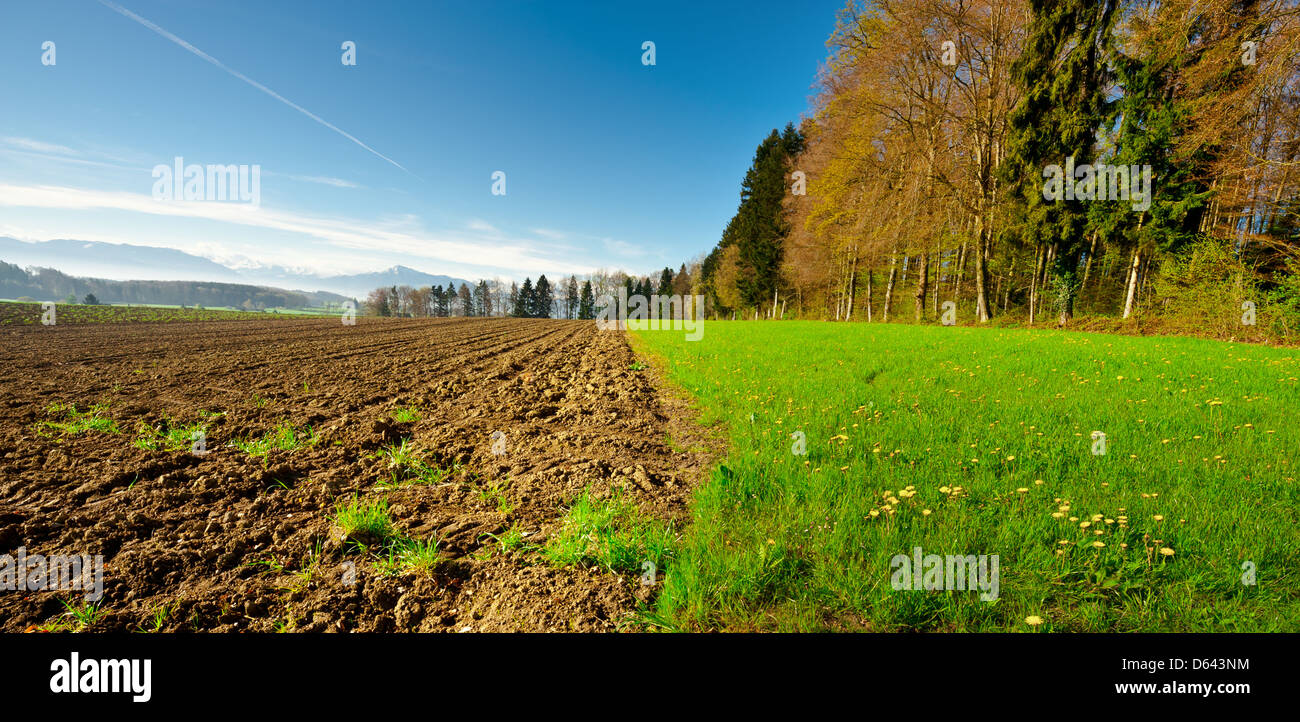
666	282
524	303
586	303
1064	75
543	297
466	300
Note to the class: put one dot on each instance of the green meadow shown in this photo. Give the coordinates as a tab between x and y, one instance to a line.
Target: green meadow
1124	483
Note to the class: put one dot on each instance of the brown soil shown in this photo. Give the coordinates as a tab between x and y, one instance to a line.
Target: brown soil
190	532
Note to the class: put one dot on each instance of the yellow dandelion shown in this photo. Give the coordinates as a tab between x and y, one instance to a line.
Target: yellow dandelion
1099	544
1033	620
1166	551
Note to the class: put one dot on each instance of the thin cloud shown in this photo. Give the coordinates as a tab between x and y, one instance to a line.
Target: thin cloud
170	36
399	238
322	180
38	146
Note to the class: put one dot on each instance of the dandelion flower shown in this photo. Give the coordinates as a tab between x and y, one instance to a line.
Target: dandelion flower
1099	544
1166	551
1033	620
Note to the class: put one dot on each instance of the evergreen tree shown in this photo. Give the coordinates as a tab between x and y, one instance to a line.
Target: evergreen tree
666	282
524	303
483	299
761	228
90	300
1064	75
466	301
543	297
586	303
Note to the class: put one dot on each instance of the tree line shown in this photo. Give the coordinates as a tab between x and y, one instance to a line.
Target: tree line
924	174
571	298
48	284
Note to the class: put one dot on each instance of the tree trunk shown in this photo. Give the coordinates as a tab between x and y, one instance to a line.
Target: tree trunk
981	272
870	275
922	284
889	287
1130	286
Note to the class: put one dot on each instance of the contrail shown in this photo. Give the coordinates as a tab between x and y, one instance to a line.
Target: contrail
163	32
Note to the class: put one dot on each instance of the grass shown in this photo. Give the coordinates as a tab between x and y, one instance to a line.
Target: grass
509	540
613	534
75	422
981	441
368	525
409	555
408	469
367	519
173	437
22	313
76	618
404	415
284	437
494	492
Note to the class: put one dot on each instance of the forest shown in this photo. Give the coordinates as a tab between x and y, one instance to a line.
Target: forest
930	171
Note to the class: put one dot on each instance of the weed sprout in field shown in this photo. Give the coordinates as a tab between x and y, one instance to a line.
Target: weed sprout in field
76	422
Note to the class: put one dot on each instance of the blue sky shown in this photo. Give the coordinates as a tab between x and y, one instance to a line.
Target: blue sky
609	163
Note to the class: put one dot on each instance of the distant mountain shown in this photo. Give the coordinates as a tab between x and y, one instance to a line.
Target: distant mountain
364	283
123	261
48	284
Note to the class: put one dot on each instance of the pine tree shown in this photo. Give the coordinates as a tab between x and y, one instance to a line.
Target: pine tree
666	282
1064	75
543	297
483	299
761	228
524	302
586	303
466	301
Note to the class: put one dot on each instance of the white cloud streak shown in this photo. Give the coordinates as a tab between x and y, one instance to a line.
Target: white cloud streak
172	37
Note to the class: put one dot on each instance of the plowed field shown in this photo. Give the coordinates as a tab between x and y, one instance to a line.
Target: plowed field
231	541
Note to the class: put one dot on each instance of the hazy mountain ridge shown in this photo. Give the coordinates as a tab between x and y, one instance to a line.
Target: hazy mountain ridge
129	262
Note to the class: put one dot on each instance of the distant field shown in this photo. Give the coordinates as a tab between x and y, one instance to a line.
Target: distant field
17	313
980	441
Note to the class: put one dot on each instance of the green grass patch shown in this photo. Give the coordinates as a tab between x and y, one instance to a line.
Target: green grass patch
976	441
370	528
359	518
405	415
74	422
173	436
613	534
407	468
283	437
